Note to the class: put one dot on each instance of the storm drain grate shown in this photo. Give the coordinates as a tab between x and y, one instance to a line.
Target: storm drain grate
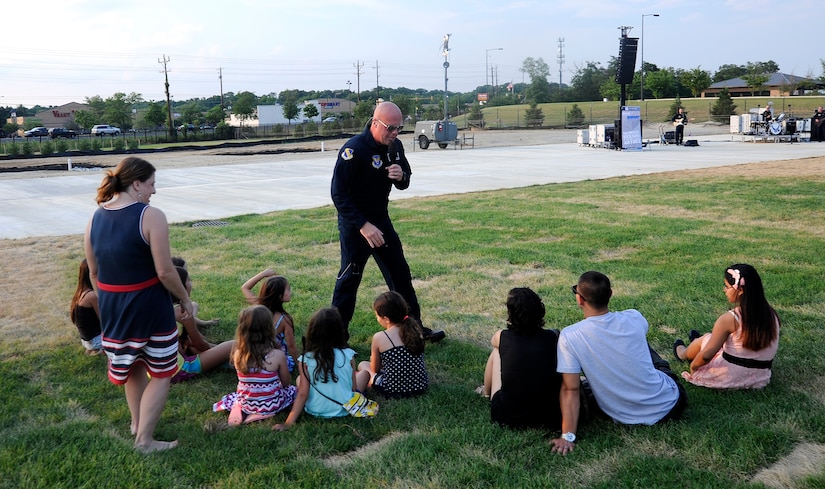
210	224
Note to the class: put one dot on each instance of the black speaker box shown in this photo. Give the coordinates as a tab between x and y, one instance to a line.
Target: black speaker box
691	142
627	60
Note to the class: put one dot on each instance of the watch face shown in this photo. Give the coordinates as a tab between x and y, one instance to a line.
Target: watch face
569	437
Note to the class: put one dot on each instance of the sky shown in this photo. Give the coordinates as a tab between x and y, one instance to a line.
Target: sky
65	51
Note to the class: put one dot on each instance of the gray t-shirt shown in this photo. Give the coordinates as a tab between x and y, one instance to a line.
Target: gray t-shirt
612	352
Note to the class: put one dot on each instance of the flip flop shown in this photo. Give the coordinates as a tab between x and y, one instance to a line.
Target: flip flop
676	343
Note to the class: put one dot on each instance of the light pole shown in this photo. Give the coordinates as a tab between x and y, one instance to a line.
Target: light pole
642	42
487	65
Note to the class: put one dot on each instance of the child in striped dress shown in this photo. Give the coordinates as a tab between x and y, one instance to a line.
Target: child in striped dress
264	382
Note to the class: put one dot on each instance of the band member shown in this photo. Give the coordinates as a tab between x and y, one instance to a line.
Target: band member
817	126
680	120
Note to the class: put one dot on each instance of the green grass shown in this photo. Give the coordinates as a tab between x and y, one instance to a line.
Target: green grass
653	111
664	240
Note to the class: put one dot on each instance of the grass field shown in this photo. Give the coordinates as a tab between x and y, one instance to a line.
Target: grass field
653	111
664	240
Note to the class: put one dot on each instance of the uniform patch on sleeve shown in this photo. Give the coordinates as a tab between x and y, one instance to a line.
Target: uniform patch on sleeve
376	161
347	154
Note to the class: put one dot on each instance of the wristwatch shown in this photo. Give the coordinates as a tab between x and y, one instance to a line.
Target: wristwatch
569	437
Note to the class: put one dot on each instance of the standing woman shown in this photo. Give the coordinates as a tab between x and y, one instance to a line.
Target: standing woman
130	264
739	352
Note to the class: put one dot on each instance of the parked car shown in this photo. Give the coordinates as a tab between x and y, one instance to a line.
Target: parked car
36	131
330	119
186	127
60	132
101	129
206	126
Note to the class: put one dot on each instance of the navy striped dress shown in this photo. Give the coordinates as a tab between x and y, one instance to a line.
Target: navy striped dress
136	314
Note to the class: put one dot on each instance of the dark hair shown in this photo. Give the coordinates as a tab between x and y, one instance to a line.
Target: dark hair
254	338
184	276
594	287
393	306
131	169
525	310
271	294
84	284
325	332
758	317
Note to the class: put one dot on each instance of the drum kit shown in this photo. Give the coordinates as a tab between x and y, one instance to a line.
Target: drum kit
776	127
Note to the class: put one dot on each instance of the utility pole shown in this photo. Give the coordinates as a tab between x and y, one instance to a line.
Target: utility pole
173	135
220	77
560	59
377	86
358	65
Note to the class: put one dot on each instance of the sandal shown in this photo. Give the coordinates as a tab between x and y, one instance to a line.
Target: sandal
480	391
678	343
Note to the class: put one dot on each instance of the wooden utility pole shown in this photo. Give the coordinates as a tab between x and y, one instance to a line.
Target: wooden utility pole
173	135
358	65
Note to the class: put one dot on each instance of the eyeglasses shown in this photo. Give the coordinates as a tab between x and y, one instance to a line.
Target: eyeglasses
390	128
575	289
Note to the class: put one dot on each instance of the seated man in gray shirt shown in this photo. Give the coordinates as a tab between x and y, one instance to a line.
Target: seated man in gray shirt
630	382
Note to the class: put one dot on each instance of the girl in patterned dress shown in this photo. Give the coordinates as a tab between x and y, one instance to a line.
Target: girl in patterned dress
264	383
396	367
274	292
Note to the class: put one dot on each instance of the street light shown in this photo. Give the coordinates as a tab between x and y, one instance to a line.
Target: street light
487	64
642	42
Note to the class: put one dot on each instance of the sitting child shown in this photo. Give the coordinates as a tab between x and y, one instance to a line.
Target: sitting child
264	383
326	370
274	292
396	367
195	354
84	313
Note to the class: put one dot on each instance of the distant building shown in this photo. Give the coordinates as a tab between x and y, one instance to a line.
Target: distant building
62	116
778	85
268	115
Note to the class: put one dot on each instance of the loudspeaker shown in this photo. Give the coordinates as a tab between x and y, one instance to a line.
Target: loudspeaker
627	60
691	142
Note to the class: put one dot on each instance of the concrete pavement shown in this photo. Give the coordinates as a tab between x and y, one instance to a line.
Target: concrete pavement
62	205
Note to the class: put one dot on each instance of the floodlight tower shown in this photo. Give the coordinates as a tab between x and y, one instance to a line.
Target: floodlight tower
445	51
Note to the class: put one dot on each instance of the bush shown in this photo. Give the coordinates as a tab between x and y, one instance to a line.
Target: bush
13	149
133	143
534	116
118	144
85	144
61	145
28	148
575	117
97	144
46	148
224	131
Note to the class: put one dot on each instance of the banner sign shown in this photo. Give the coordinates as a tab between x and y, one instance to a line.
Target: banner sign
631	128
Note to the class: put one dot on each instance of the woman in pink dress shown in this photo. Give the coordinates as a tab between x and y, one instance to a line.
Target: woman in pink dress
739	352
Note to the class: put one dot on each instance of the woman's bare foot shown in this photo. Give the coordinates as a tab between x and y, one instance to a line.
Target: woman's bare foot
156	446
133	429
